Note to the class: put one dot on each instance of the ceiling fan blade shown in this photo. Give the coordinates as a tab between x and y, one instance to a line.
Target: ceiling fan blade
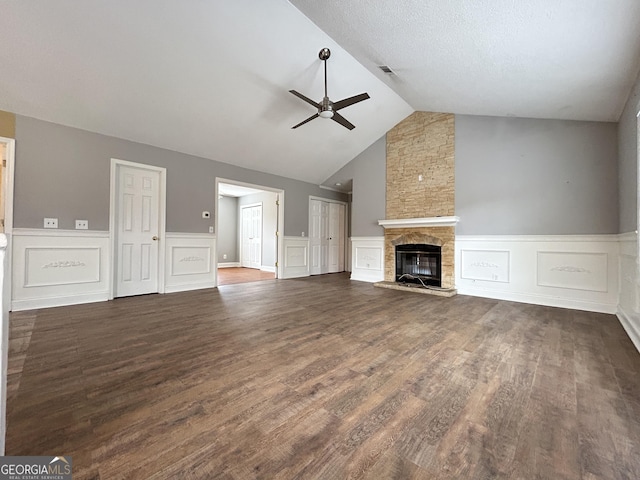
306	99
305	121
349	101
342	121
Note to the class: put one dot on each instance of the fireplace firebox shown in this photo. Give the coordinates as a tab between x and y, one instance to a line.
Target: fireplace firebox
420	264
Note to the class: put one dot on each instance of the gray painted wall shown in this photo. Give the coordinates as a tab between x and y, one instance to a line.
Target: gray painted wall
227	238
628	162
531	176
369	173
64	172
269	223
513	176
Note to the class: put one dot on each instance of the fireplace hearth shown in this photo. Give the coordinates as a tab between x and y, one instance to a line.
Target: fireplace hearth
419	264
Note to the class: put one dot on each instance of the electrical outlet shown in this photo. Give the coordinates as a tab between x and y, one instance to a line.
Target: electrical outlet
210	229
50	223
224	257
82	224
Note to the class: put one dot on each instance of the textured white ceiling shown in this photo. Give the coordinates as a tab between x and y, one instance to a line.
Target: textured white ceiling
566	59
208	78
211	78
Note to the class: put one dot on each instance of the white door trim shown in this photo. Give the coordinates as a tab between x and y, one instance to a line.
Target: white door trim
8	183
280	215
115	163
8	215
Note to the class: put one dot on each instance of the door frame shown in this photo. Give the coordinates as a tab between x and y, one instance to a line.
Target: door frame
8	186
8	183
280	221
162	210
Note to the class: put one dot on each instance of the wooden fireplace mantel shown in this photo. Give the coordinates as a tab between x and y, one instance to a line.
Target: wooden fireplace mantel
420	222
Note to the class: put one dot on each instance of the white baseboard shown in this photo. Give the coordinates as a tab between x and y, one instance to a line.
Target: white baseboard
186	287
267	268
61	301
631	324
229	265
537	299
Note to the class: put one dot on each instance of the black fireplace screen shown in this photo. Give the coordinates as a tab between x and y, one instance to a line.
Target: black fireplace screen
419	263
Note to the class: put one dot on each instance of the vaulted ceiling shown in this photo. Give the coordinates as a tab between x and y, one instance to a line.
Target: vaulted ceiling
211	78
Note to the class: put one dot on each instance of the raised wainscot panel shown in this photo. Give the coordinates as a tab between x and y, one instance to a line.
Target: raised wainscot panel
190	260
45	267
367	254
60	267
486	265
295	256
574	270
369	258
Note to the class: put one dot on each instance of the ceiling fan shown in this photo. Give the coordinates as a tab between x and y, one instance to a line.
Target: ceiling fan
327	108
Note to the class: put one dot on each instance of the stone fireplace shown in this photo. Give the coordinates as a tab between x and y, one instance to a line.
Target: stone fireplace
420	200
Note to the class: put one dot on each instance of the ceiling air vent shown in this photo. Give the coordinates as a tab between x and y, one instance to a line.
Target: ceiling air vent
386	69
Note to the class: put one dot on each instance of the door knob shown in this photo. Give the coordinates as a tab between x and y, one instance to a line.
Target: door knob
154	238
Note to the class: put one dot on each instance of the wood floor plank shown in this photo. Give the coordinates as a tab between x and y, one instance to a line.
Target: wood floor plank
324	378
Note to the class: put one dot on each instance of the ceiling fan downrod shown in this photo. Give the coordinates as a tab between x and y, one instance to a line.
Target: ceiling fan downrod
327	105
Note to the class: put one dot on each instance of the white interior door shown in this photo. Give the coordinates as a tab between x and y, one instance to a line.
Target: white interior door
336	237
252	236
137	223
326	237
315	237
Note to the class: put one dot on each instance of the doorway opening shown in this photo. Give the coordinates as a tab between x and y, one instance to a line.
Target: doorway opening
248	221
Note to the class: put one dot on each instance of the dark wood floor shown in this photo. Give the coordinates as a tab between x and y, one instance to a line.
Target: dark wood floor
324	378
232	275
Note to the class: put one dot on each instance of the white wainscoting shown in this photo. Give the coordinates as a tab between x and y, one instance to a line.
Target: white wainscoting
629	303
189	261
572	271
59	267
296	257
367	257
4	339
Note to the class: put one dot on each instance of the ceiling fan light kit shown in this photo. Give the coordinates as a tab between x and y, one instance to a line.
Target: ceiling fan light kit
327	108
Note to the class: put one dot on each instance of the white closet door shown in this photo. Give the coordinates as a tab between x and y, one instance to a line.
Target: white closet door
315	237
326	237
251	249
336	237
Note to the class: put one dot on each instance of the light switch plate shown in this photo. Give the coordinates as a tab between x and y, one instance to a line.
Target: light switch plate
82	224
50	223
